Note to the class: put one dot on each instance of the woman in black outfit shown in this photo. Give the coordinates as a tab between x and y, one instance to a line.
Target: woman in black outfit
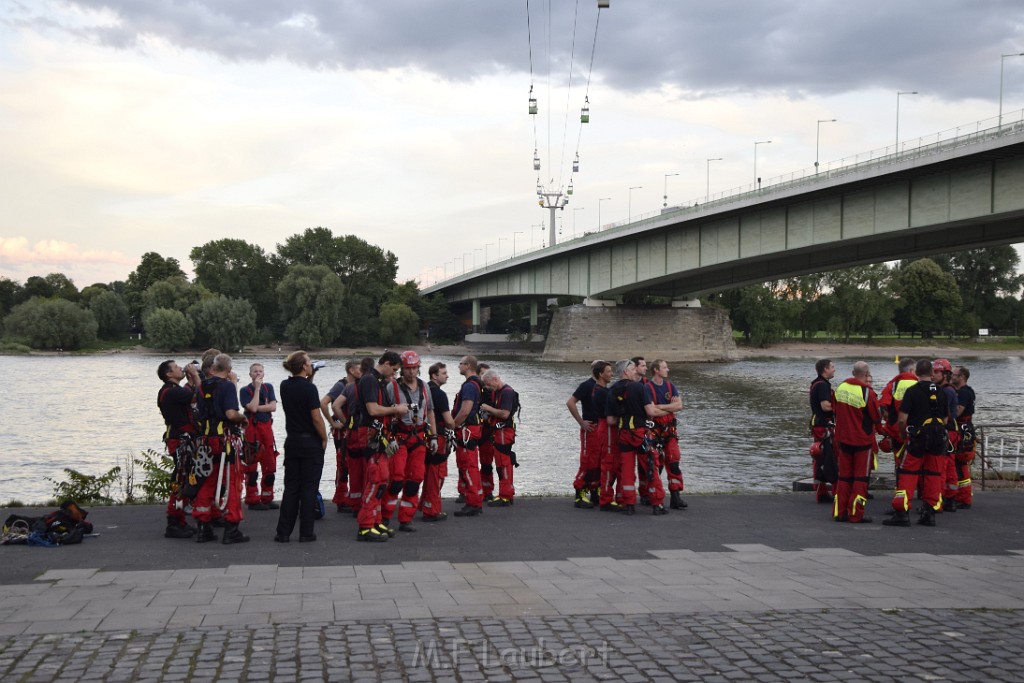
303	448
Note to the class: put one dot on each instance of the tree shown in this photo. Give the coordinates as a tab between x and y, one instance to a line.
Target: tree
860	301
240	270
982	277
11	294
51	324
442	324
111	315
223	323
167	329
310	299
38	287
175	293
92	291
63	286
928	297
762	313
152	269
399	324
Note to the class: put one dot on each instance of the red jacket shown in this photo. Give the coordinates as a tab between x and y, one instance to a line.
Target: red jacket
857	413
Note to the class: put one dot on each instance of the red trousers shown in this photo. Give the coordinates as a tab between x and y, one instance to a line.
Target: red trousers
486	449
173	511
375	485
673	462
852	487
355	452
821	488
433	481
589	474
407	468
203	509
341	494
925	471
611	467
629	442
467	460
261	490
502	441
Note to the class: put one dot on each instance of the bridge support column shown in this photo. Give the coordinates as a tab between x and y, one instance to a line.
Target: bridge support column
476	315
686	302
533	316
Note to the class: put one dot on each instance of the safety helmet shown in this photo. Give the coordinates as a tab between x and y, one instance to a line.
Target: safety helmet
942	364
885	445
815	449
410	359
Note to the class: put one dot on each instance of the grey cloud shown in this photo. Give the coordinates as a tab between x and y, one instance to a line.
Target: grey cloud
948	48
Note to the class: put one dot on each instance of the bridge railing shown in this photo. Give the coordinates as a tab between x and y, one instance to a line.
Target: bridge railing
1001	452
1010	123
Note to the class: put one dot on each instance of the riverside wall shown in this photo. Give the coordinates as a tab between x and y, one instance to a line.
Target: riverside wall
583	333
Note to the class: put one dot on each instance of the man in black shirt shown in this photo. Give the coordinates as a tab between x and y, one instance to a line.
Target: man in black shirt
437	463
826	470
175	402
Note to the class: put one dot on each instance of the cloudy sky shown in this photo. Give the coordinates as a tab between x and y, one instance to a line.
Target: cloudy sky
129	126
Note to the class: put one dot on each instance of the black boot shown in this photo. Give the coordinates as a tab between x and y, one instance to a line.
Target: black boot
205	533
676	501
659	510
927	517
233	535
899	518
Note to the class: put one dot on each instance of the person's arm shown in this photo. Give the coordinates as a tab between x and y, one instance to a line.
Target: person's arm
448	420
675	405
903	426
337	410
497	411
574	410
464	410
377	410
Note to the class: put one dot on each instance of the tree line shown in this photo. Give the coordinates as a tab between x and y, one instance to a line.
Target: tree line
316	290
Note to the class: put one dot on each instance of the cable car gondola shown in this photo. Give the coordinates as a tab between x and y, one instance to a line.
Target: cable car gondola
569	191
585	112
533	102
576	163
603	4
536	161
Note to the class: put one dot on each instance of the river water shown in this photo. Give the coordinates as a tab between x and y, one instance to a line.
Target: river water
743	428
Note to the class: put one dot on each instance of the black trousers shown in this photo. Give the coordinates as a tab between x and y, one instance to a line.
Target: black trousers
303	466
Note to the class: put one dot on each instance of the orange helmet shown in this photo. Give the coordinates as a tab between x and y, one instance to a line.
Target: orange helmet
410	359
942	364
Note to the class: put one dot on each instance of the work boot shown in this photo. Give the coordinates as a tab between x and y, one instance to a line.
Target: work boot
371	536
963	506
385	529
469	511
676	501
407	527
175	530
595	498
583	500
949	505
899	518
659	510
460	499
258	506
611	507
232	534
205	533
644	500
628	509
439	517
927	517
501	503
489	497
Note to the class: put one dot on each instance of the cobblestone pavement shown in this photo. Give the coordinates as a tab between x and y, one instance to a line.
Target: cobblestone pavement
802	645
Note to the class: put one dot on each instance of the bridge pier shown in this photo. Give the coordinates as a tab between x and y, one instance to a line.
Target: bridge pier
476	315
586	333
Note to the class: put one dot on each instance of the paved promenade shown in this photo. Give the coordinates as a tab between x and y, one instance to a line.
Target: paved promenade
735	588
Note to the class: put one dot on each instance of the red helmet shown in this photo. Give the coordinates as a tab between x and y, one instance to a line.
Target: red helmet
942	364
410	359
816	449
885	445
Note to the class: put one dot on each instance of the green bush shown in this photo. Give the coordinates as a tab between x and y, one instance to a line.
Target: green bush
86	489
51	324
167	329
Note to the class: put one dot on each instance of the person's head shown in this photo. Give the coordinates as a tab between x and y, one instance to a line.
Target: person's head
825	368
438	373
923	370
389	363
492	380
960	375
861	370
481	368
256	372
907	365
659	368
625	369
942	371
641	366
468	366
410	366
607	373
296	363
221	366
365	365
597	368
352	370
206	360
168	371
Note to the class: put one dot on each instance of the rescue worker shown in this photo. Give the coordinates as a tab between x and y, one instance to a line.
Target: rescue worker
667	398
259	402
375	444
964	452
588	476
416	434
822	424
889	405
338	421
633	408
500	416
221	420
856	415
355	443
175	403
486	447
942	375
920	462
610	497
468	432
437	463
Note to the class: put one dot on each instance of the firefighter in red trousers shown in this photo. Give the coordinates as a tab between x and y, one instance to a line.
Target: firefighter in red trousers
221	417
963	455
259	402
437	463
332	406
666	397
501	414
581	407
822	418
467	437
942	375
889	404
175	403
857	416
372	438
921	461
633	409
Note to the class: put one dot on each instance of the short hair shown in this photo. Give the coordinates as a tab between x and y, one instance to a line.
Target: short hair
366	364
861	369
294	361
222	362
924	367
472	362
597	367
620	367
636	359
390	358
656	365
435	369
964	372
822	364
350	365
206	360
489	375
907	364
163	369
482	366
255	365
595	363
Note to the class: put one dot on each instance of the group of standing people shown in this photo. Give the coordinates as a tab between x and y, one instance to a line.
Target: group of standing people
628	437
924	417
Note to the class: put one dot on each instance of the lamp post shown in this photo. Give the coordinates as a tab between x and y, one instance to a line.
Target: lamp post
762	142
898	94
629	203
605	199
665	198
817	142
578	208
1002	63
517	232
707	191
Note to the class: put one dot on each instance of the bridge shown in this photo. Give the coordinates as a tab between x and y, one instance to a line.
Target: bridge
954	190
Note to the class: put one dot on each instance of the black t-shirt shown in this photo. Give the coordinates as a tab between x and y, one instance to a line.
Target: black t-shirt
965	396
584	394
175	403
299	397
921	402
821	390
635	400
369	391
599	401
440	401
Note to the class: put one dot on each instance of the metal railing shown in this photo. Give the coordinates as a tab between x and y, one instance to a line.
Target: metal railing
1000	450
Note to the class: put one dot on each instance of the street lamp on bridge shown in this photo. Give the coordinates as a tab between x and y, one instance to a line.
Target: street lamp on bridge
817	141
665	198
756	179
898	94
1002	63
629	203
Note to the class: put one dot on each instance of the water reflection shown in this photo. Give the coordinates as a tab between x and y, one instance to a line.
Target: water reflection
743	426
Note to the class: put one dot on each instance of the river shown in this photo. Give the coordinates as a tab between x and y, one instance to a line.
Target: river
743	427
